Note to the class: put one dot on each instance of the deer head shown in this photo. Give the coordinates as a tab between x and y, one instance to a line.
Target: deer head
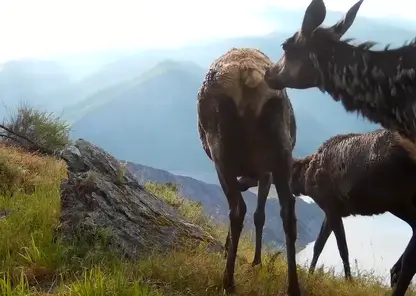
297	68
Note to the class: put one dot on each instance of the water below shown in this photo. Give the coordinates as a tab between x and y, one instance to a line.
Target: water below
374	244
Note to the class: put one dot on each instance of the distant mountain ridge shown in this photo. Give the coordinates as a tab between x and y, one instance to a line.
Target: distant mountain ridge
152	119
214	203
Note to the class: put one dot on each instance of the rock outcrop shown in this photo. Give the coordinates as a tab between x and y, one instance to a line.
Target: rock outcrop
102	200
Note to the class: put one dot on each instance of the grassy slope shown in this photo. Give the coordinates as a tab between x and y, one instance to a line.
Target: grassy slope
31	264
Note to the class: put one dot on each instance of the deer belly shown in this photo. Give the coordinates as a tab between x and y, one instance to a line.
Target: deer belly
257	161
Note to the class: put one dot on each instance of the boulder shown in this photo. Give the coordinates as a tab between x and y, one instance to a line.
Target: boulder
102	200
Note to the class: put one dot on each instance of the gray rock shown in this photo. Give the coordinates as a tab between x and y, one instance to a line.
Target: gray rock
102	200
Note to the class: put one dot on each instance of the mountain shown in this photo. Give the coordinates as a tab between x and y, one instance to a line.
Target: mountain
214	203
151	119
31	80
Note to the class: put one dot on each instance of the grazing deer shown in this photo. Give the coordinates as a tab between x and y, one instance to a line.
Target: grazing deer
357	174
249	129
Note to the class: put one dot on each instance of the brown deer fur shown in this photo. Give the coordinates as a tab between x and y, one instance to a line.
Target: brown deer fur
248	129
361	174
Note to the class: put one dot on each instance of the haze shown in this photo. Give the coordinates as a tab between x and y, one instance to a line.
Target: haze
49	27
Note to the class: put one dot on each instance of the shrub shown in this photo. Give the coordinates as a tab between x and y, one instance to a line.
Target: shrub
33	129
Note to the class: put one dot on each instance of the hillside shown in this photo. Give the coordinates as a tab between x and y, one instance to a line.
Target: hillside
215	205
40	258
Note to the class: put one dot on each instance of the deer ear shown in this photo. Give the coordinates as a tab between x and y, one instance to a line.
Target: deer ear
314	16
341	27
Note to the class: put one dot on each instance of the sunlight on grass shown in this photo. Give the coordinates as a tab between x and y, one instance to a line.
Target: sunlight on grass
34	261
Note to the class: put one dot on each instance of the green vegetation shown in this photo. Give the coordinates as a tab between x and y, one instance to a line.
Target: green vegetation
33	261
33	129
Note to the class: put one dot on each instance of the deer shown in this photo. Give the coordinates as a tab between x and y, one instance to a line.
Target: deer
248	130
378	84
356	174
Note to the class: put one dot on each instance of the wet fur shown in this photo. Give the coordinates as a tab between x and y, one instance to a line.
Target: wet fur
248	129
381	85
357	174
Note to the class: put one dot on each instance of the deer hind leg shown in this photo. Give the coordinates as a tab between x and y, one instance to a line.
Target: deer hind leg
244	183
227	243
320	242
260	215
395	271
282	179
237	213
404	270
338	227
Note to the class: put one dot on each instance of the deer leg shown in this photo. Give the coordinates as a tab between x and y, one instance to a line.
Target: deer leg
320	242
237	212
244	184
260	215
394	271
282	179
227	243
408	259
338	227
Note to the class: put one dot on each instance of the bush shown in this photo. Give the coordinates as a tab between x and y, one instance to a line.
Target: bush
33	129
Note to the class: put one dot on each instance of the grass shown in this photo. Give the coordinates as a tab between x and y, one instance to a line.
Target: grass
35	262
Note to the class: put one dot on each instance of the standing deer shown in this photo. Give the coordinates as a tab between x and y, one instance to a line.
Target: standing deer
380	85
249	129
355	174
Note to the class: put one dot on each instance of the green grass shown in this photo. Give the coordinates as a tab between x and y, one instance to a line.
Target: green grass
34	262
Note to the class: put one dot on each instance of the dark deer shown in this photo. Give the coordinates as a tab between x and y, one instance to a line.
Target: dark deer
360	174
248	129
378	84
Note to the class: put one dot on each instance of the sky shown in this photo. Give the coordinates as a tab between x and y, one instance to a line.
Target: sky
50	27
369	250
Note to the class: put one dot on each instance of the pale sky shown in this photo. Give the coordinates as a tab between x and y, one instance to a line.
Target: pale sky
49	27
